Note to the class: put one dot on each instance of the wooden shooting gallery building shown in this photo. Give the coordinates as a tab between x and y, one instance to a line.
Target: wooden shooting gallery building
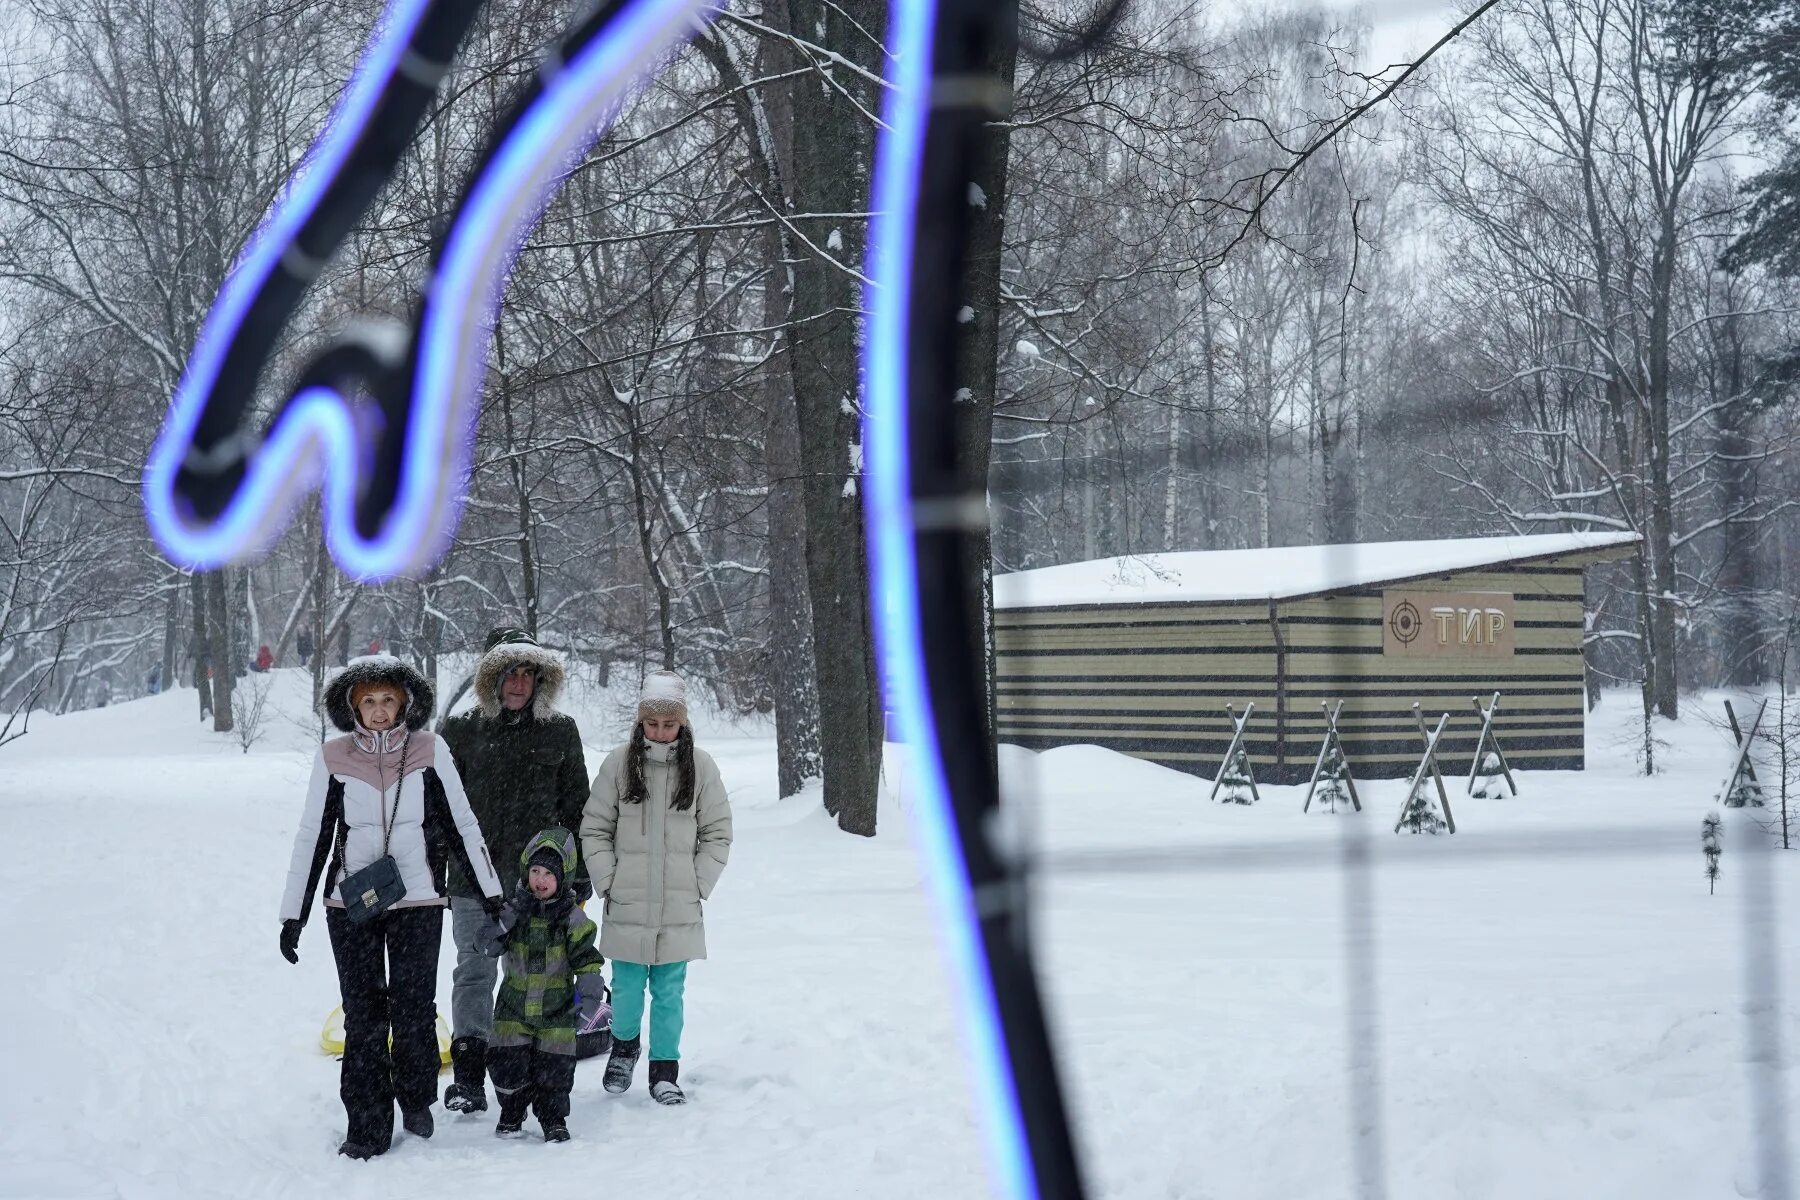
1141	654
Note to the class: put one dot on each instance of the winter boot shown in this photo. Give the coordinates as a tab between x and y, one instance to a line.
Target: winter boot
358	1150
417	1122
556	1129
512	1115
622	1063
468	1058
663	1088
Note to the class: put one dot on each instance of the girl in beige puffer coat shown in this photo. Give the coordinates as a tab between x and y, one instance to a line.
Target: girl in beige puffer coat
655	835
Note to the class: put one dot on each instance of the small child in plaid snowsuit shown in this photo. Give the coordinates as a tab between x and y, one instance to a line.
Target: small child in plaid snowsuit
547	943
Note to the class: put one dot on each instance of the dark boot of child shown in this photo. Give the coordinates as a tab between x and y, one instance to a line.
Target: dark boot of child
418	1122
512	1115
621	1064
468	1058
663	1088
556	1129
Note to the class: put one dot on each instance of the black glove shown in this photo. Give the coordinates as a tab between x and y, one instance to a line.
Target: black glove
290	940
583	890
492	906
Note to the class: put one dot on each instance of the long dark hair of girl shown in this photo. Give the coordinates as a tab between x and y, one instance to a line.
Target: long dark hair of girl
635	787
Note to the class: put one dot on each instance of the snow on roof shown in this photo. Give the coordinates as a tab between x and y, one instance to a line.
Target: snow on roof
1277	573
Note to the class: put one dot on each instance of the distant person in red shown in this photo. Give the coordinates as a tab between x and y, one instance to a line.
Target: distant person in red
374	645
265	658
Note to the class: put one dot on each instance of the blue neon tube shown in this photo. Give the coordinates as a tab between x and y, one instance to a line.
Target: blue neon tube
894	579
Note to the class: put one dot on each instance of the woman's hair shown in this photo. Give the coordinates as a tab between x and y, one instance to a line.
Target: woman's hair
635	787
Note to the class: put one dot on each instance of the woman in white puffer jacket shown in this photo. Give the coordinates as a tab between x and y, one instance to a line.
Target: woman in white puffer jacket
387	787
655	836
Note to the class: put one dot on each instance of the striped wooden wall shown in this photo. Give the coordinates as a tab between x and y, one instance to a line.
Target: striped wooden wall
1152	680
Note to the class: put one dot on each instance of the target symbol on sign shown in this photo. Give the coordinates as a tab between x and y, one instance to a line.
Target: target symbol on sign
1405	622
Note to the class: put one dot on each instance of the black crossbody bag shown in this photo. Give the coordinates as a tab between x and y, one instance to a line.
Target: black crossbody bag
377	887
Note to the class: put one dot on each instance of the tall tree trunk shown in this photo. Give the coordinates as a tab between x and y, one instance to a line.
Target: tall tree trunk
1318	457
242	615
767	122
791	650
646	530
428	635
1741	652
320	630
219	649
978	377
1208	455
528	570
791	653
1172	479
833	151
1640	569
1266	500
1090	509
171	631
1339	478
1319	510
200	647
1661	533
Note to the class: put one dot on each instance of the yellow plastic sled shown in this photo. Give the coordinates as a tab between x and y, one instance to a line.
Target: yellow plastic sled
331	1038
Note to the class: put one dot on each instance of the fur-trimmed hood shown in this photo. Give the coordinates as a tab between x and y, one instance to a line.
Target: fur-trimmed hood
502	656
421	699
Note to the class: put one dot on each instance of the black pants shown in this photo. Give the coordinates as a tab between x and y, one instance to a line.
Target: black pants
387	975
525	1075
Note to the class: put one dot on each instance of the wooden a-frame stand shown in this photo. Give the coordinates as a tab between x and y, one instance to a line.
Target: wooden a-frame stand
1742	787
1489	739
1428	762
1231	752
1332	742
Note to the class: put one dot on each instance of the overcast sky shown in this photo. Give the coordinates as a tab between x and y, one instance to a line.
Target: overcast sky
1402	28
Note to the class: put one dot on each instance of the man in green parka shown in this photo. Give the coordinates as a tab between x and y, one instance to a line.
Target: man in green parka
521	765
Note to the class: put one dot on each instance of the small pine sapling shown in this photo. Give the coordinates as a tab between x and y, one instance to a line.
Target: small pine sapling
1332	788
1490	780
1743	793
1235	785
1711	840
1421	813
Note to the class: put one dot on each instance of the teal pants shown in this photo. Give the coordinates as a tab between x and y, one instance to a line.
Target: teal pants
667	983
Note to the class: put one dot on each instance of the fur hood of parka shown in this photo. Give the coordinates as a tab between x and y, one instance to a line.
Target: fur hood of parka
421	698
508	648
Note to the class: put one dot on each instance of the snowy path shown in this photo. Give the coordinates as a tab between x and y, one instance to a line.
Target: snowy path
158	1046
1551	1025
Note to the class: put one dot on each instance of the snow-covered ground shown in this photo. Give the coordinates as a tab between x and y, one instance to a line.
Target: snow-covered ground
1559	1004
